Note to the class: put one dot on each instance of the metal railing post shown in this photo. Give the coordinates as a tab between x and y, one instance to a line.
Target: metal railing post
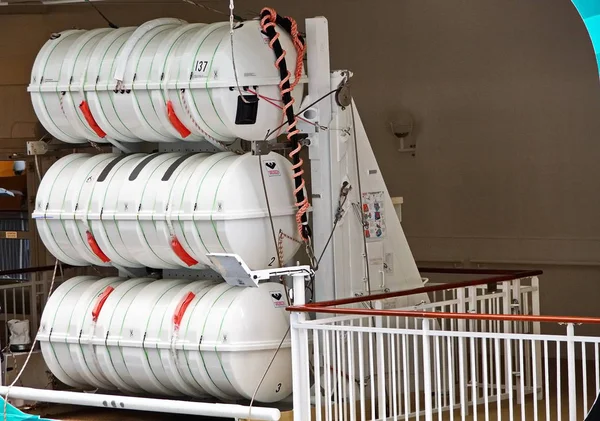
378	305
535	308
463	370
427	371
572	374
517	327
507	328
300	384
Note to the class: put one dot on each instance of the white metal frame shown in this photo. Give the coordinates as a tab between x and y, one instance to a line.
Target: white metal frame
143	404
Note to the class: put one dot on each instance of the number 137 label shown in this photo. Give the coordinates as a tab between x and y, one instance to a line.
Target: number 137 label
201	67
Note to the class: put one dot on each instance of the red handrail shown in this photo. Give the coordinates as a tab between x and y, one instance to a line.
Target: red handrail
470	271
442	315
329	307
500	276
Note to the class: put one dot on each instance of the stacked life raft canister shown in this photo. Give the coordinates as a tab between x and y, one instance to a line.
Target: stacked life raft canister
166	81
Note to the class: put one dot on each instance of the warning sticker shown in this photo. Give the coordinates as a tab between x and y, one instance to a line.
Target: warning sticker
272	169
277	297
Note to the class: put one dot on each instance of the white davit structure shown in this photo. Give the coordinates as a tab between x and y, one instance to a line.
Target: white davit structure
164	81
167	210
169	337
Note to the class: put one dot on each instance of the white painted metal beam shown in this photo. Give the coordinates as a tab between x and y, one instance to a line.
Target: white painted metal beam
218	410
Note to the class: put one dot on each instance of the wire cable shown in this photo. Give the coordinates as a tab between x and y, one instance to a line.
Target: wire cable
278	249
328	241
264	184
235	73
110	24
302	110
339	213
265	373
211	9
36	161
360	198
272	102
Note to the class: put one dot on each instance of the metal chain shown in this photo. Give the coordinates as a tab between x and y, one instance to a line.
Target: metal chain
280	248
289	237
283	235
310	251
280	255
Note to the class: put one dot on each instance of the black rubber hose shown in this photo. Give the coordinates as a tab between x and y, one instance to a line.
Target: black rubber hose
287	98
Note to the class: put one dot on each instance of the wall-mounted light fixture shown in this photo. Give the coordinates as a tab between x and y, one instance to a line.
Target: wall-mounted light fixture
402	127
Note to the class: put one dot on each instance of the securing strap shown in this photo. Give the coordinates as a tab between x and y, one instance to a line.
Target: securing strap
181	308
100	303
176	122
96	248
85	109
181	253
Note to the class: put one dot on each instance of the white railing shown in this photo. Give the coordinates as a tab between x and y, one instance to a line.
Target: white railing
17	301
428	363
514	296
23	299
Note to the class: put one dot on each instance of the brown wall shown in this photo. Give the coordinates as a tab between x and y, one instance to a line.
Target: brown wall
507	103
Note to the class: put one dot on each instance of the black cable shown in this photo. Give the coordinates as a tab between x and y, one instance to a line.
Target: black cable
328	241
112	25
343	196
266	372
287	99
211	9
262	176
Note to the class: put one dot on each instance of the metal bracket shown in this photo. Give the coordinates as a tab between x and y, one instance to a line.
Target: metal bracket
41	147
236	272
260	147
37	147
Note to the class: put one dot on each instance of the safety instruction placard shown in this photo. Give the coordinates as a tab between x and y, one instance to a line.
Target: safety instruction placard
374	215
